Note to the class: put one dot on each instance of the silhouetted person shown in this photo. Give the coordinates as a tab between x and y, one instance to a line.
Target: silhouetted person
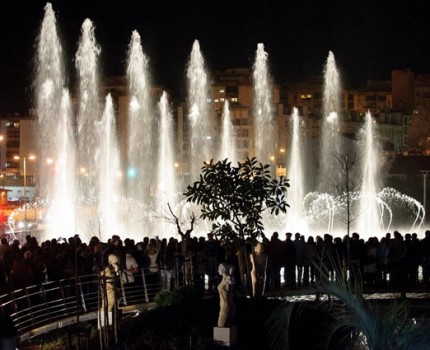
276	253
290	261
425	257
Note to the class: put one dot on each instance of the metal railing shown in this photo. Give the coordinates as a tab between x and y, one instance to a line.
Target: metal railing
40	308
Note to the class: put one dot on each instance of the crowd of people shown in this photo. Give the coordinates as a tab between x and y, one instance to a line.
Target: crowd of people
392	260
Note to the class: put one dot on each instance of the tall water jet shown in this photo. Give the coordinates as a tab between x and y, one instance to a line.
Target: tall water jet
49	87
295	216
166	189
88	115
110	175
62	199
265	136
55	149
330	142
371	164
200	121
140	125
228	148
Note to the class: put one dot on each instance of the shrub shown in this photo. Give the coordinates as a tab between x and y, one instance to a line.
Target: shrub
164	298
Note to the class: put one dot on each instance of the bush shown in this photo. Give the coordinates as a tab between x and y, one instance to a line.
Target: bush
164	298
186	295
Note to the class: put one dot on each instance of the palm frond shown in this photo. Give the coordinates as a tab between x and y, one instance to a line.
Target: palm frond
384	327
278	325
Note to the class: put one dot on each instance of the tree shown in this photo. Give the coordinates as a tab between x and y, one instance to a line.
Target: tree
234	198
185	236
348	186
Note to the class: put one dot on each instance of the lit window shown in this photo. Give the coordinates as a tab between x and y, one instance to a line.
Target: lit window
216	100
209	100
221	91
222	99
234	99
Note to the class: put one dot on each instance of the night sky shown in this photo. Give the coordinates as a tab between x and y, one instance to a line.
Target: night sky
368	38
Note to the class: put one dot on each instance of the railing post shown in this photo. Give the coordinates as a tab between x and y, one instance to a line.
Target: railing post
144	285
45	301
29	304
82	295
64	298
122	287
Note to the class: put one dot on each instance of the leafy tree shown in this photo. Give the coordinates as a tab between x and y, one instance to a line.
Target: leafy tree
234	198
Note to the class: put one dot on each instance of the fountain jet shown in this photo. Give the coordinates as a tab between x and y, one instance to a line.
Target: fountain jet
295	195
330	139
140	125
228	148
55	148
265	141
201	126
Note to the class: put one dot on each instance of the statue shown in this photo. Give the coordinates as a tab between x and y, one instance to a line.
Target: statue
225	288
109	274
258	273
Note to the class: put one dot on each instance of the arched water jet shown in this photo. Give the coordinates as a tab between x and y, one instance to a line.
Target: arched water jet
406	206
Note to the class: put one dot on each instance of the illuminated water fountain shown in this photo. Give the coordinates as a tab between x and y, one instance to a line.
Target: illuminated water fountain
140	151
265	138
228	148
56	147
97	190
201	126
296	220
351	189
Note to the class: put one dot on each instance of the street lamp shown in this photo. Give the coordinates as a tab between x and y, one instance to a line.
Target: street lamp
24	163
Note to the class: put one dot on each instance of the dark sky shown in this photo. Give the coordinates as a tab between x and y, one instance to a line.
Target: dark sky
368	38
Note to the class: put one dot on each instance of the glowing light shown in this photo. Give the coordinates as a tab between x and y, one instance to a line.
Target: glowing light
134	104
131	172
332	117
